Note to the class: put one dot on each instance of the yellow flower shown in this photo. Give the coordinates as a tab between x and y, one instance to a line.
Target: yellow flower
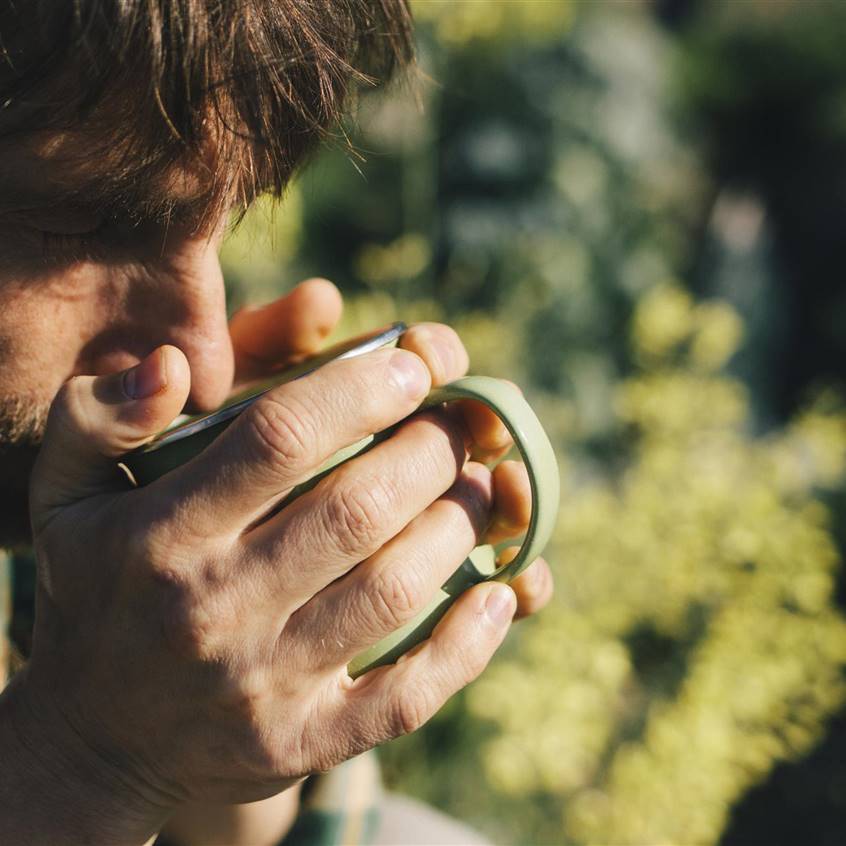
662	321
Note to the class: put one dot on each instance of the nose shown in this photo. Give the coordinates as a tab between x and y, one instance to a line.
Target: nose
178	299
200	328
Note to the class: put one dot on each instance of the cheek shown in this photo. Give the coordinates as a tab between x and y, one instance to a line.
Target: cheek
43	325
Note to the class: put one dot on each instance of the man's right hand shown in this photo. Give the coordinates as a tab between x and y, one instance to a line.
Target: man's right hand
191	642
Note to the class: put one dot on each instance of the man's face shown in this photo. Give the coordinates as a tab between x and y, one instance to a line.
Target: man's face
84	295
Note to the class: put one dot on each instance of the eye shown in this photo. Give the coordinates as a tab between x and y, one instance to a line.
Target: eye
67	222
73	229
79	244
72	236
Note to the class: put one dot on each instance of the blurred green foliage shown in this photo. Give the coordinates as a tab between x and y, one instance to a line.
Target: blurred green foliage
694	640
538	190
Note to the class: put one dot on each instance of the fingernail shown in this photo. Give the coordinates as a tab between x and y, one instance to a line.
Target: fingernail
500	605
409	374
147	378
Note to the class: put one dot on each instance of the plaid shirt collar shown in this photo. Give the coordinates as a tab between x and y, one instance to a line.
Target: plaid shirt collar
341	807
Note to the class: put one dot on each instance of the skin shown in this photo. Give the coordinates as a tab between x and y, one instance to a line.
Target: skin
190	643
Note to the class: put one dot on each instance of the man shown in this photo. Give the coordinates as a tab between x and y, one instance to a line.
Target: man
190	641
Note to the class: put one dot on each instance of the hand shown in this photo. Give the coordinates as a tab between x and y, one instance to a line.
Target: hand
191	647
267	338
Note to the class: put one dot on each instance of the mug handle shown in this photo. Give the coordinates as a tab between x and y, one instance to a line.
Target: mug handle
538	456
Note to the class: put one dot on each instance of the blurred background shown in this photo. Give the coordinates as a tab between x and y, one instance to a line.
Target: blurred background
638	212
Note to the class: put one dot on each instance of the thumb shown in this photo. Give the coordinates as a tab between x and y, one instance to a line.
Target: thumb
95	419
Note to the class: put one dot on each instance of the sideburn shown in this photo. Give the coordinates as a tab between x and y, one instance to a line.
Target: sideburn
17	463
22	424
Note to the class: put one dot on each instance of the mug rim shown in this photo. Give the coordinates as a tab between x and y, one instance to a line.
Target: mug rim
359	345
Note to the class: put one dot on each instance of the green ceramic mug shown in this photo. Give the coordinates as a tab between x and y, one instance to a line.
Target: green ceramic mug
182	442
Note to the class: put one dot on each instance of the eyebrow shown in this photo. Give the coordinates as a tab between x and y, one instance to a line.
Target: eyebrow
90	197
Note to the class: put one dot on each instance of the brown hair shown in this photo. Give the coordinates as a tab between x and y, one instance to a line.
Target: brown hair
234	93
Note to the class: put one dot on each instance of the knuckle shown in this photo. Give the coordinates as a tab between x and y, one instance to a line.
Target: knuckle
283	433
158	536
442	441
190	627
395	596
364	380
411	709
357	511
150	551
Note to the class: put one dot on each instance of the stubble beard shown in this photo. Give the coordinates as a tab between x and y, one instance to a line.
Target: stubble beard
22	423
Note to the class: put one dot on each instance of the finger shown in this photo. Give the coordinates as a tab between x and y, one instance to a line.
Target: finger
444	353
399	699
357	508
295	325
440	347
388	589
286	435
491	439
534	586
94	419
512	502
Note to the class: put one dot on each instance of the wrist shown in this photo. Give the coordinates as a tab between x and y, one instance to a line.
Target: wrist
261	823
55	788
